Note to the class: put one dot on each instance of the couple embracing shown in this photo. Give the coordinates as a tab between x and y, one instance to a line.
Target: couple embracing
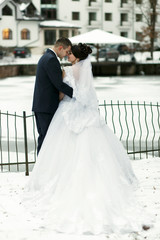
83	181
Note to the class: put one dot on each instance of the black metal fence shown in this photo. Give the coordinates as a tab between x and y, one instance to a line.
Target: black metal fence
136	124
17	142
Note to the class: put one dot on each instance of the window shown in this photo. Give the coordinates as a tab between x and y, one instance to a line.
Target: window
138	1
124	34
49	14
48	1
73	33
90	2
108	16
138	17
75	16
124	17
7	33
50	37
63	33
138	36
30	10
123	2
156	17
108	0
7	11
92	17
25	34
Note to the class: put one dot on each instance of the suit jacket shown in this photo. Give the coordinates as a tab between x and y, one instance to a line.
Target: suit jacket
48	84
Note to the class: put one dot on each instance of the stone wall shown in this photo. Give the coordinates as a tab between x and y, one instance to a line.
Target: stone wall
113	68
99	69
9	71
17	70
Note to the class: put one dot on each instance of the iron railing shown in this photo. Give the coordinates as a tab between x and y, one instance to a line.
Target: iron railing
137	125
17	141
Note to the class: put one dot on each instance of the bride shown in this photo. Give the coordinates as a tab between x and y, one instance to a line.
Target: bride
83	181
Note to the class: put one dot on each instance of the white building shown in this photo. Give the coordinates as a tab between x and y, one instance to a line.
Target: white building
122	17
40	22
19	24
23	25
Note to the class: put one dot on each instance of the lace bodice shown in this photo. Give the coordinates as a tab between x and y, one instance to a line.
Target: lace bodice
81	111
68	79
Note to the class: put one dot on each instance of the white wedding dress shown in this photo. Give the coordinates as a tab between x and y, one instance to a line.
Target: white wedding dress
83	181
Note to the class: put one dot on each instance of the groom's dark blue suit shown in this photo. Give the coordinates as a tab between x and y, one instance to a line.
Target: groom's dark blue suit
46	93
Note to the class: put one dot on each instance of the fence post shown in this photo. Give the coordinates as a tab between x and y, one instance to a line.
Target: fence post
25	143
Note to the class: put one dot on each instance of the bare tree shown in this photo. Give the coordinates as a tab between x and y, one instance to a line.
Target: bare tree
149	34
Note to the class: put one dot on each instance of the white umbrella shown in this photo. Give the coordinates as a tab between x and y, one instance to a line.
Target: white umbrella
98	36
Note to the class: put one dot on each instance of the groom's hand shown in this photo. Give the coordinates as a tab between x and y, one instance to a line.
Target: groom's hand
61	96
63	74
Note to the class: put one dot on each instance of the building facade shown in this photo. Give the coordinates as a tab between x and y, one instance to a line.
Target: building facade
19	24
39	23
122	17
25	25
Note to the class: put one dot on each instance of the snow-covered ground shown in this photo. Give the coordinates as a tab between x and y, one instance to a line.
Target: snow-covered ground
17	224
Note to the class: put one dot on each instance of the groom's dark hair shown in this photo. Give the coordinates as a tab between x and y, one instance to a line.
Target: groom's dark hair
64	42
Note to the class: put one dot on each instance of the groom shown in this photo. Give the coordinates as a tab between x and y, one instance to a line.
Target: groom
48	85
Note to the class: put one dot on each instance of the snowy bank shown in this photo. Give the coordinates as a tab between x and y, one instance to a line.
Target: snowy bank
17	224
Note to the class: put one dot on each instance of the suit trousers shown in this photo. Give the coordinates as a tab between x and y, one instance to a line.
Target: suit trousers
42	121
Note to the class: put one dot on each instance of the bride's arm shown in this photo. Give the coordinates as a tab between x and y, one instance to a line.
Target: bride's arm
61	95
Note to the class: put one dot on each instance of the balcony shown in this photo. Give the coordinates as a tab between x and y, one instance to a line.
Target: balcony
125	25
94	24
49	6
126	6
93	6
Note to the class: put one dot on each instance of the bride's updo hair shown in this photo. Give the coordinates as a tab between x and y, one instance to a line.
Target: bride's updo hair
81	51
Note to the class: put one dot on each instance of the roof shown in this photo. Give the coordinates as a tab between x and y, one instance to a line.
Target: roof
20	15
57	24
23	6
1	1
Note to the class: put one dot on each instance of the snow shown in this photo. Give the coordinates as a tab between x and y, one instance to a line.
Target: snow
56	23
17	224
11	60
23	6
1	1
140	57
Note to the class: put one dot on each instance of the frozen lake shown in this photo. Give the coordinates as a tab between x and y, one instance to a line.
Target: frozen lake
16	95
16	92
